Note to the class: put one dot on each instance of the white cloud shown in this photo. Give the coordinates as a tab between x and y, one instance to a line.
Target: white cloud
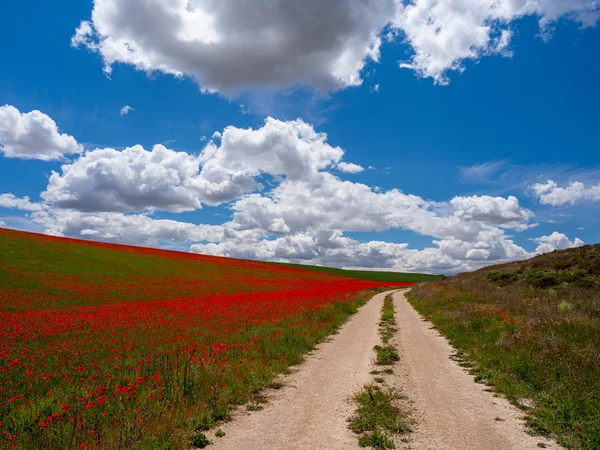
444	34
502	212
292	148
334	204
310	219
2	224
126	110
556	241
323	44
288	202
350	167
33	135
130	180
136	229
303	218
137	180
11	201
332	249
481	172
550	193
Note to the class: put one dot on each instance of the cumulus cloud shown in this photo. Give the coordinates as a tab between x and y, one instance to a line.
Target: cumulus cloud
550	193
556	241
336	204
130	180
311	219
292	149
282	43
136	229
136	179
283	184
444	34
327	248
33	135
2	224
304	220
126	110
333	249
502	212
11	201
322	44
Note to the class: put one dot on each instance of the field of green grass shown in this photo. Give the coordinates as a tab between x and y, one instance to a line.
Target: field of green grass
531	330
372	275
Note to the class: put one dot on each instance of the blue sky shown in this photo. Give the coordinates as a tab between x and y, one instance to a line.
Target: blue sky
515	116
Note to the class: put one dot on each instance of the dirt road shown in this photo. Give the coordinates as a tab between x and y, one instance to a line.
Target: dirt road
452	411
310	412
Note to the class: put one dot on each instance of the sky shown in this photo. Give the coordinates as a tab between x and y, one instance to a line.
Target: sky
419	135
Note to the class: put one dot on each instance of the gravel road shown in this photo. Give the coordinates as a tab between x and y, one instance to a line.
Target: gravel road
310	412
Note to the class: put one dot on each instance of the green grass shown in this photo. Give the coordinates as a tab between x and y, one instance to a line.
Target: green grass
531	330
378	416
199	440
254	407
369	274
377	440
386	355
387	324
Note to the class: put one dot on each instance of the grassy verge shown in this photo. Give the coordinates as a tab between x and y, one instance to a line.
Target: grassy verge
380	415
532	331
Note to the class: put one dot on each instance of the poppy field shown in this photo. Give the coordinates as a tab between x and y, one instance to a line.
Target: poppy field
108	346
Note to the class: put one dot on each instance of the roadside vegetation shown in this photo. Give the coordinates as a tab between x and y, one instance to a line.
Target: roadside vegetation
381	413
531	330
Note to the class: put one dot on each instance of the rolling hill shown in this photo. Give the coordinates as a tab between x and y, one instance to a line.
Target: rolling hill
110	346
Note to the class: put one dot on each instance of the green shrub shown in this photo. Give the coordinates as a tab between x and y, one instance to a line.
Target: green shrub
503	278
564	307
199	440
542	279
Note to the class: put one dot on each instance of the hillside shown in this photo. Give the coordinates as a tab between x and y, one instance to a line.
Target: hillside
531	329
108	346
